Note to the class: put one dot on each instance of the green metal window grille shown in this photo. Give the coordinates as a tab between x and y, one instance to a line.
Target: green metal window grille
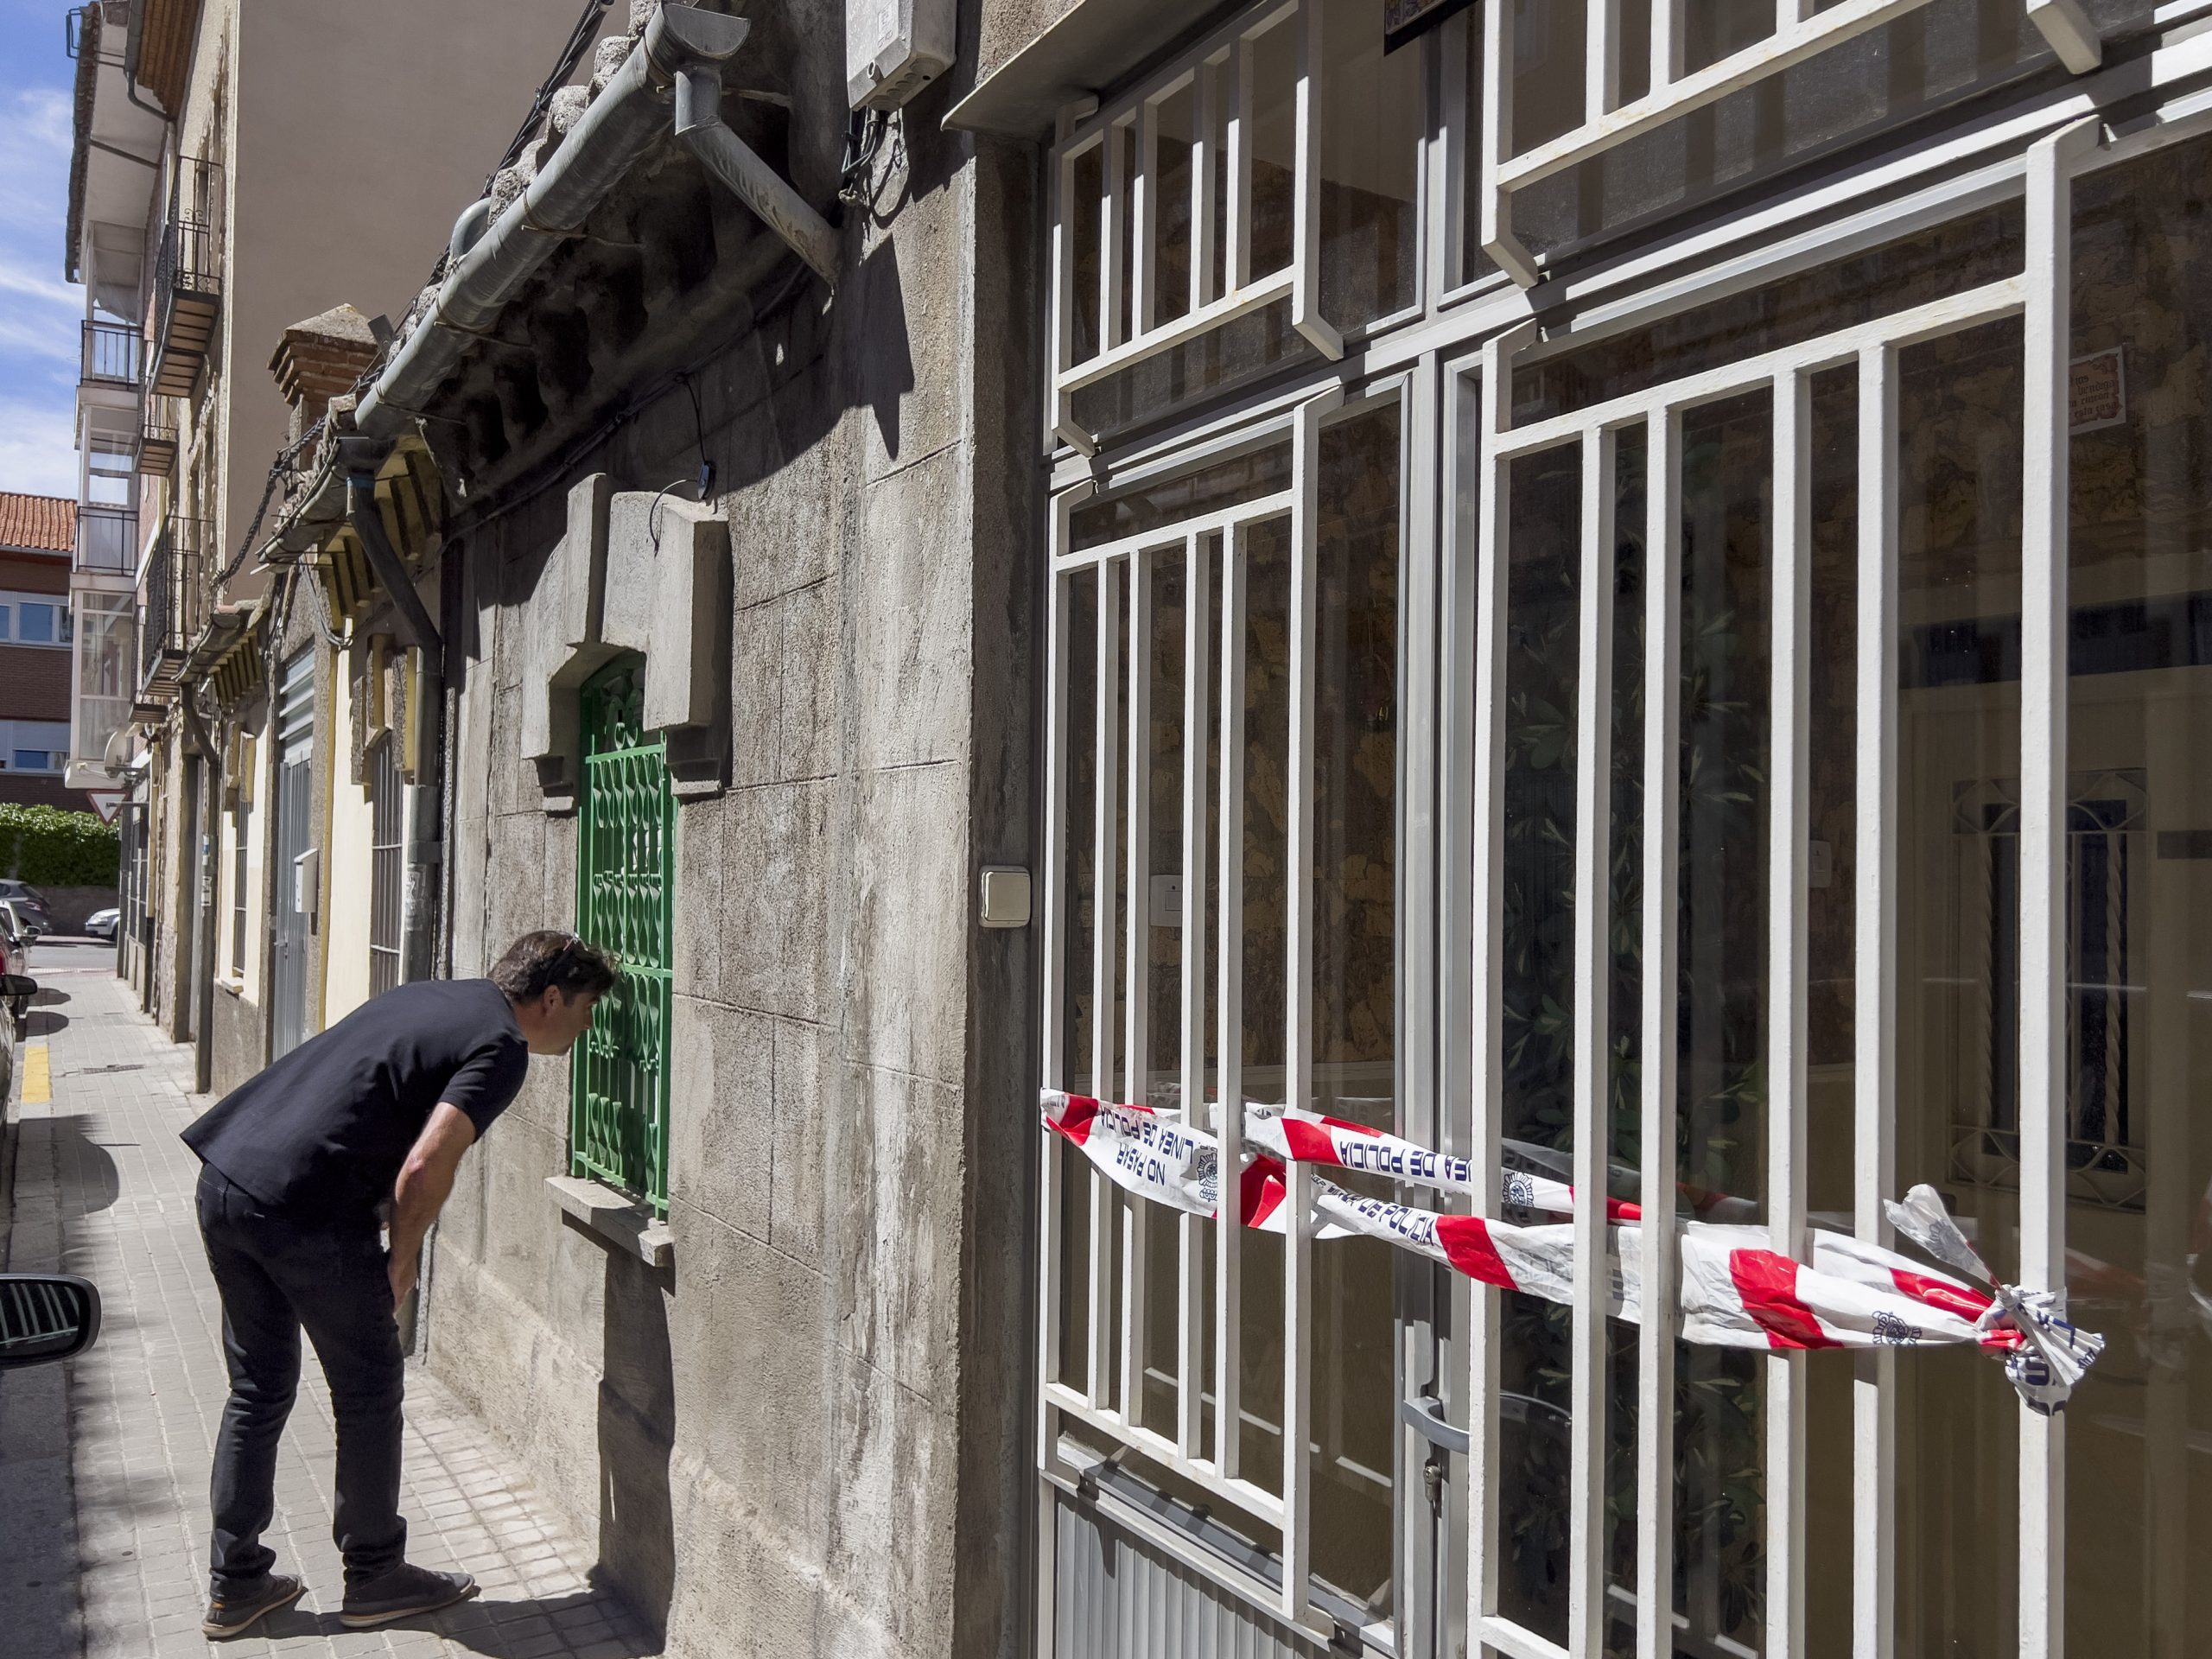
618	1126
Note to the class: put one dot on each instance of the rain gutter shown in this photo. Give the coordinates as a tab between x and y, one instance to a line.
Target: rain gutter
678	62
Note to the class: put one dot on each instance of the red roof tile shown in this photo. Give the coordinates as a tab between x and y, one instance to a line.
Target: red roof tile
46	524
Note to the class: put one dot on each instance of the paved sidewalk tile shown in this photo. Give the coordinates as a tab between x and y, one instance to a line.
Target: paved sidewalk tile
108	1463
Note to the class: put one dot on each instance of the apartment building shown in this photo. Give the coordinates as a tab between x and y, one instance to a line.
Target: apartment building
1209	559
219	194
37	535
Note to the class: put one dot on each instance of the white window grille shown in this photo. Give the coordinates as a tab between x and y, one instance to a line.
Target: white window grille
1118	233
1471	398
1802	31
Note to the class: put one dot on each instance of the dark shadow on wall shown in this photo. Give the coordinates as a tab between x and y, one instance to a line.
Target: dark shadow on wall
887	361
637	1430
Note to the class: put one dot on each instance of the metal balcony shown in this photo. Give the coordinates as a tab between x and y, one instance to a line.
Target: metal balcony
157	437
112	355
107	540
188	278
175	606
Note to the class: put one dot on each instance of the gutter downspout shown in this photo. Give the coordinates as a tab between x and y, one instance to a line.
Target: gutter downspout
738	166
131	35
206	770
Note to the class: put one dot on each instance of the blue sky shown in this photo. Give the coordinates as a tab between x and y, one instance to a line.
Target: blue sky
38	312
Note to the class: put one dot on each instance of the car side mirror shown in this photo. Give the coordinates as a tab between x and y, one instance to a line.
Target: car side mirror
17	985
46	1316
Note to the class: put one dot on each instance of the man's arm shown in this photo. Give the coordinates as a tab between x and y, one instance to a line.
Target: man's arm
424	1180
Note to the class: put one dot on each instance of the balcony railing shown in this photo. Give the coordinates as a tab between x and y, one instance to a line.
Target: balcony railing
189	278
157	437
176	604
107	540
112	355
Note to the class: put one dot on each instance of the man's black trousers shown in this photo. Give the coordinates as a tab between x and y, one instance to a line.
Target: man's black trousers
276	1274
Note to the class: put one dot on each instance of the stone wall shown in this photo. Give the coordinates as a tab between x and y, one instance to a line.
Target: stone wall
807	1434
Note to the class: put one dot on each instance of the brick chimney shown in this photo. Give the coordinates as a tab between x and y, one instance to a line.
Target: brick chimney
320	359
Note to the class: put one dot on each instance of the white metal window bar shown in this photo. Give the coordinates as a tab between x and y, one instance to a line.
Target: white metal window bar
1219	74
1215	644
2039	297
1800	33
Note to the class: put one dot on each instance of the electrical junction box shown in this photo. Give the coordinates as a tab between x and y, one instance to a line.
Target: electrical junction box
893	48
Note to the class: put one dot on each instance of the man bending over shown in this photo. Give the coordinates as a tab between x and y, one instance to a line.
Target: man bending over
297	1163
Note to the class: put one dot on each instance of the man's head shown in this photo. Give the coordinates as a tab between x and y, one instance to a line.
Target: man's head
554	980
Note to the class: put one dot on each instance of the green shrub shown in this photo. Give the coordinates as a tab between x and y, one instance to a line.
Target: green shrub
46	846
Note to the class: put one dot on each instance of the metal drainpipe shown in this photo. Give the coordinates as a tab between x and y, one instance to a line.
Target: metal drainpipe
205	778
130	69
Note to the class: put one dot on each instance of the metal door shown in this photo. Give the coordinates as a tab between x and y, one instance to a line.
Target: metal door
293	836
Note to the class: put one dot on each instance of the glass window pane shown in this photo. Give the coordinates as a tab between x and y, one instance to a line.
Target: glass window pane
1159	886
1082	210
1875	82
1964	254
36	624
1273	59
1355	1004
1373	110
1078	1008
1266	551
1959	463
2139	953
1537	943
1147	507
1726	548
1173	185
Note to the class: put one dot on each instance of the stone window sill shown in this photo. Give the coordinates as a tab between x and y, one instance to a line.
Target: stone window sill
625	1222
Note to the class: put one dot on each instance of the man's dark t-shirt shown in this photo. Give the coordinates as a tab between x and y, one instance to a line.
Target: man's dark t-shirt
323	1132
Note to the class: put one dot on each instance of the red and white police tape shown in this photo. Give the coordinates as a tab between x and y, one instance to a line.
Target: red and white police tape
1736	1291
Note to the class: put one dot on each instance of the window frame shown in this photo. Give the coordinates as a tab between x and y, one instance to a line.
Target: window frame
1215	617
387	796
1800	34
2030	148
61	630
636	978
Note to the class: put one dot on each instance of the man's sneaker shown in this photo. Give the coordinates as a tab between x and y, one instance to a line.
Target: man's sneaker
404	1590
234	1612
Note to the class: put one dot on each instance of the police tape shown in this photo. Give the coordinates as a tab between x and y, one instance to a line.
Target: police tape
1735	1290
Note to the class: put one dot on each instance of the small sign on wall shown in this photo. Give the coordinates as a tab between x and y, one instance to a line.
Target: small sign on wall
2096	390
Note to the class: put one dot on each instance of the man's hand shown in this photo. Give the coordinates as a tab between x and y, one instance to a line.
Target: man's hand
424	1180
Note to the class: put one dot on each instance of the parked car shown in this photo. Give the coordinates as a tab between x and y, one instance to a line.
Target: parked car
45	1316
15	964
102	924
17	991
30	905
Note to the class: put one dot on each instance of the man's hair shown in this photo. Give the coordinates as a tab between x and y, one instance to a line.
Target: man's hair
550	958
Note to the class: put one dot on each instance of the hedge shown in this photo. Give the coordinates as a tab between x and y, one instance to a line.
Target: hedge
45	845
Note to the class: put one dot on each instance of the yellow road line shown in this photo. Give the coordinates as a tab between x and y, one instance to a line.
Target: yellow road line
38	1080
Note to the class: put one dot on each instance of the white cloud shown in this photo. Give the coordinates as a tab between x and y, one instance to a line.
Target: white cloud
38	448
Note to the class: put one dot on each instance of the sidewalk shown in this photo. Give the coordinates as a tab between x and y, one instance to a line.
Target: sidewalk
104	1469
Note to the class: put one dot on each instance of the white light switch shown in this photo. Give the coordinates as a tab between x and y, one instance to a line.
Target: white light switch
1820	866
1167	901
